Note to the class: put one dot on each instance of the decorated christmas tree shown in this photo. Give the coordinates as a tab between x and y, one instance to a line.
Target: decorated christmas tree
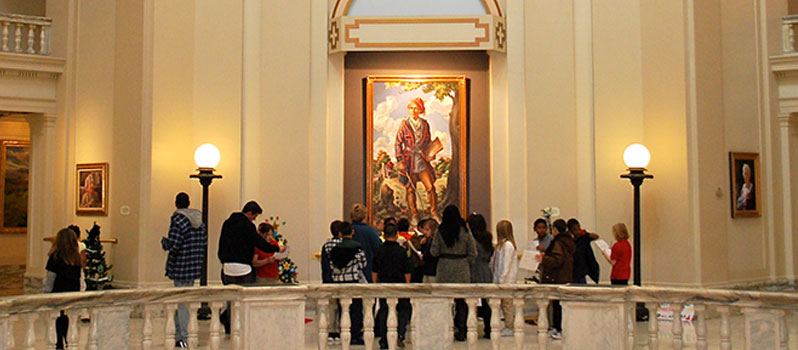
96	269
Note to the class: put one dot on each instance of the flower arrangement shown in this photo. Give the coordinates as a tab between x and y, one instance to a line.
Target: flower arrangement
548	213
285	267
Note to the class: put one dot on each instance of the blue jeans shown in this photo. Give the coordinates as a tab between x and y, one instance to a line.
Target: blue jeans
181	314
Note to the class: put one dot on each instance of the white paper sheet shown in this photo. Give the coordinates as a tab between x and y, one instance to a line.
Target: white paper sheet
604	246
529	261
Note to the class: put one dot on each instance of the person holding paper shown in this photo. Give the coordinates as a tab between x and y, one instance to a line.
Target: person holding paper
557	267
265	264
620	256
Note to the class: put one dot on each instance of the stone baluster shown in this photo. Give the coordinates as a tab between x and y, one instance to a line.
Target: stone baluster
8	326
31	38
543	323
43	49
93	327
450	333
677	329
495	323
193	326
18	38
630	326
699	322
471	323
391	323
235	325
74	331
321	314
787	38
169	337
725	329
146	329
368	323
653	326
413	321
51	335
518	325
784	331
30	335
5	36
216	331
346	323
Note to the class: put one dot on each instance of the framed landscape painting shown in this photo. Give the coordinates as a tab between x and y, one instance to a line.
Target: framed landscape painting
14	171
416	145
92	186
746	199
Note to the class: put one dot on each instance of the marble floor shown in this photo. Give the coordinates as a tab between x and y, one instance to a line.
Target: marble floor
12	280
665	339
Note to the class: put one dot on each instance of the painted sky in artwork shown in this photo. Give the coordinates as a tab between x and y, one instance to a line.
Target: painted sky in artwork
390	107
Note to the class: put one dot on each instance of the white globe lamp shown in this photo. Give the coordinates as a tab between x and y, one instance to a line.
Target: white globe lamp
207	156
636	156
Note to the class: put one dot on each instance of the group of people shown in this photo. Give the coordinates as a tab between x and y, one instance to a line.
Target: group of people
567	257
452	251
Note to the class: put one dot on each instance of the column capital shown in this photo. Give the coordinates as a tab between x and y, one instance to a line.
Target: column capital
45	120
785	119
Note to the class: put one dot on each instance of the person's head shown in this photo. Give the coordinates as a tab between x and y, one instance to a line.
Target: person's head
75	229
345	229
619	231
541	227
266	230
65	247
428	227
574	227
88	182
416	107
559	226
476	223
504	232
746	172
451	224
390	231
358	212
334	228
388	221
252	209
403	225
181	200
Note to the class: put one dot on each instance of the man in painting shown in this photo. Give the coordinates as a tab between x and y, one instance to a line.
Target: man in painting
745	201
412	164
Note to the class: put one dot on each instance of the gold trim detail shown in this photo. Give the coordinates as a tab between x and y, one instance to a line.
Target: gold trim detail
477	24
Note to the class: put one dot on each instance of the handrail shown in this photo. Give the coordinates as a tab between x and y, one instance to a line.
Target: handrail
23	34
27	19
39	302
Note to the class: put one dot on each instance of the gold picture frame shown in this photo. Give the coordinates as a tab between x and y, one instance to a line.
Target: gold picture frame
92	189
389	180
15	175
746	192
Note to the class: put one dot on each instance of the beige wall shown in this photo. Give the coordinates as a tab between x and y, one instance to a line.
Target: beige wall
13	246
23	7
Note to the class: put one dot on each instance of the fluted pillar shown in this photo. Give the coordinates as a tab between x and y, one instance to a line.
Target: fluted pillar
40	189
785	120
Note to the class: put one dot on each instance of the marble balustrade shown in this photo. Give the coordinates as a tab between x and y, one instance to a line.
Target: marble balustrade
25	34
268	314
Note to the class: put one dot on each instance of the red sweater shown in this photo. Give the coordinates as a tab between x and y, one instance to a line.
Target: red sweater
622	254
269	270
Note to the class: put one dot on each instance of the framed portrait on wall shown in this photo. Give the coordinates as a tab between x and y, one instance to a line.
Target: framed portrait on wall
416	145
14	172
92	187
746	199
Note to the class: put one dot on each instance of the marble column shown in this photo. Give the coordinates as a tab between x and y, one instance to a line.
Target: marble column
40	190
762	329
787	197
434	329
275	321
113	325
604	322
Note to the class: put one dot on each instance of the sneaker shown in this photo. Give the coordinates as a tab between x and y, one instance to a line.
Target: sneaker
330	340
181	344
554	334
507	332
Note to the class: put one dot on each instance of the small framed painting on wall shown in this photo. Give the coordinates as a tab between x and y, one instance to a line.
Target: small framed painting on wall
92	189
746	199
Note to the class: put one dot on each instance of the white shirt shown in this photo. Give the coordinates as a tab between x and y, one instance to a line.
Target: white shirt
505	264
236	269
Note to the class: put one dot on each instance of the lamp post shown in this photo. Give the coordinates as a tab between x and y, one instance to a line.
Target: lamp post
206	157
636	157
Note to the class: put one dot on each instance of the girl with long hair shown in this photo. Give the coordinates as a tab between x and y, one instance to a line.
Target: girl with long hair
457	250
481	269
63	275
505	269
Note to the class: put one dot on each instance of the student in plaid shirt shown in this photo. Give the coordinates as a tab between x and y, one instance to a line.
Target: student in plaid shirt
347	260
186	245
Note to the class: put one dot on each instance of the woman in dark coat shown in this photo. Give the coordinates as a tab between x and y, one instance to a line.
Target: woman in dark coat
480	269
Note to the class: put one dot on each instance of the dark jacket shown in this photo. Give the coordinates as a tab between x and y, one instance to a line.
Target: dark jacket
391	263
369	239
430	267
584	261
558	262
238	240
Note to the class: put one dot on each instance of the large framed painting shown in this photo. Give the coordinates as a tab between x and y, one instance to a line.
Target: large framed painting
92	186
14	172
746	199
416	145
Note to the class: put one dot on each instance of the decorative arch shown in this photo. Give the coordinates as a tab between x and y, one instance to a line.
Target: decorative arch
342	8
